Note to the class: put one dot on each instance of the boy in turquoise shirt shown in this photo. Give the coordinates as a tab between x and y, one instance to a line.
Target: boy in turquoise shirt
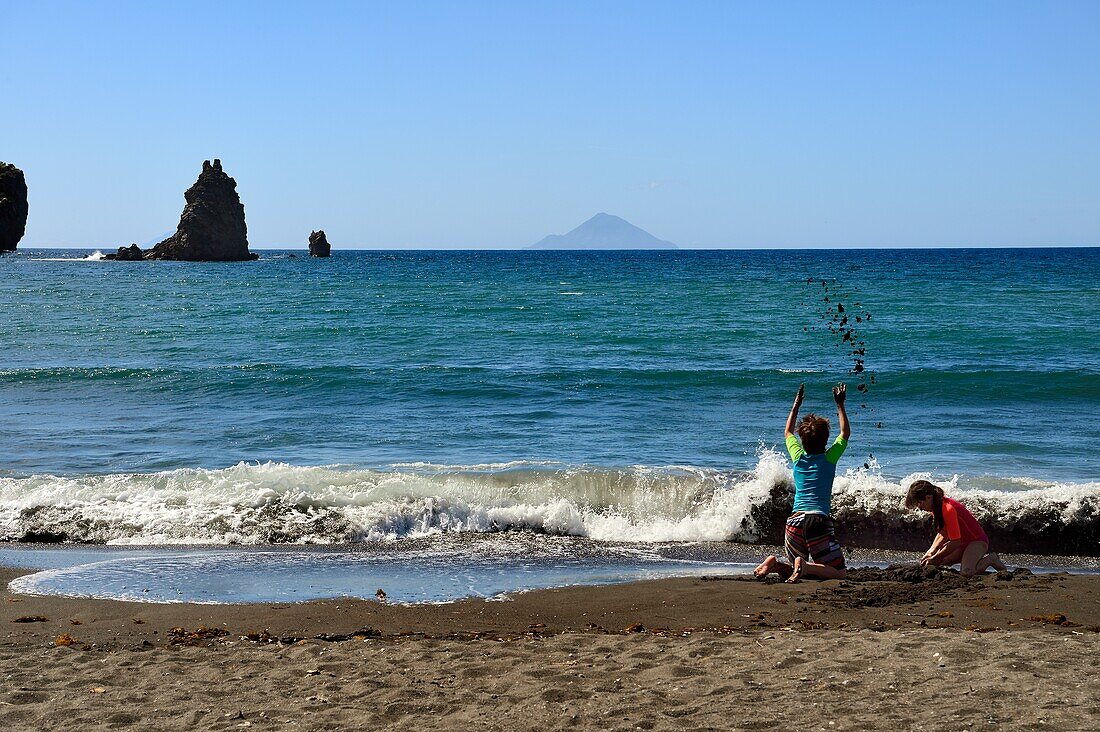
810	534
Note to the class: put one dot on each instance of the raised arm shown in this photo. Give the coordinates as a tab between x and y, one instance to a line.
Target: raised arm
839	394
792	420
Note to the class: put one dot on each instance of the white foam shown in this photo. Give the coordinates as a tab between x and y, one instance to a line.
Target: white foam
278	503
96	256
477	466
1005	499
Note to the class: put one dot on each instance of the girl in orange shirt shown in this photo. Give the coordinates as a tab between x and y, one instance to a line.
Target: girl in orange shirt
959	538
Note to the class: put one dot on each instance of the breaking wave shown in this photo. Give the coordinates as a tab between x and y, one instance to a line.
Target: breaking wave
276	503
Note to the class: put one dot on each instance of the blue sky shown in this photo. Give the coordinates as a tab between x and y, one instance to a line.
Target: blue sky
484	124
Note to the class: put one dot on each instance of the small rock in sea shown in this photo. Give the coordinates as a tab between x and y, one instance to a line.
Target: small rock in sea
131	253
318	244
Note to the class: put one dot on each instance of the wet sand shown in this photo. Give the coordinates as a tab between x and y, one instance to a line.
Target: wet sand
885	650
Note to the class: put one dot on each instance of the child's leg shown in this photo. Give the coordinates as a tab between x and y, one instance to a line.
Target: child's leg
796	571
823	571
991	559
794	541
972	553
948	559
771	564
826	557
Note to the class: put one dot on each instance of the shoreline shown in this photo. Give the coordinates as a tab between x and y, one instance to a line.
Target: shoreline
715	653
413	574
668	606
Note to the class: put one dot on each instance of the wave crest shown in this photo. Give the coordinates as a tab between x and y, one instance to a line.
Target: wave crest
275	503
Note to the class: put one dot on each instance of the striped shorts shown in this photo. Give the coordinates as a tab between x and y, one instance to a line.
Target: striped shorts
812	536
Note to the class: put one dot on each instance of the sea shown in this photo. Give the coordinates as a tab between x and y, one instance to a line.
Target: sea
475	423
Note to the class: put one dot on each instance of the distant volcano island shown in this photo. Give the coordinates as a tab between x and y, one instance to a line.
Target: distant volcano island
604	231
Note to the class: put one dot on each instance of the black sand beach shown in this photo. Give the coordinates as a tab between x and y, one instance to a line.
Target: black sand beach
883	650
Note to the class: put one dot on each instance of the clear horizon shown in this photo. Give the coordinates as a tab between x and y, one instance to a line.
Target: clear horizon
441	126
355	248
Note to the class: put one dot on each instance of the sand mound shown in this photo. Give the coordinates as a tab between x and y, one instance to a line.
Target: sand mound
901	584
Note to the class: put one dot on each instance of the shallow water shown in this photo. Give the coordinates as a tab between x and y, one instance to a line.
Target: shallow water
407	576
440	570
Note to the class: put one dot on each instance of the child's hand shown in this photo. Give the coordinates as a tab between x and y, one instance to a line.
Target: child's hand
839	393
799	395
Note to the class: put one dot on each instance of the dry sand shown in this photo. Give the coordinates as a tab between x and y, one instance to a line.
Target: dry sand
884	652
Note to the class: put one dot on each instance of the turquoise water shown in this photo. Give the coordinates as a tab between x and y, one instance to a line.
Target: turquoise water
627	396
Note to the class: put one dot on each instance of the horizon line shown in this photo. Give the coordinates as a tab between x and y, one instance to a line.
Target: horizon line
528	248
92	249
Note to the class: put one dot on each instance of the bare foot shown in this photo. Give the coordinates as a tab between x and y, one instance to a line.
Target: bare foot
995	562
766	567
796	575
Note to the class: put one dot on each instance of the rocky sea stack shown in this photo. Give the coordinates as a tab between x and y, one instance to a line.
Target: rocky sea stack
318	244
13	206
212	227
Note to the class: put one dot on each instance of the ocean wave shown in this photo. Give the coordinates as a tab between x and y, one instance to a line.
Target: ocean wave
1057	384
275	503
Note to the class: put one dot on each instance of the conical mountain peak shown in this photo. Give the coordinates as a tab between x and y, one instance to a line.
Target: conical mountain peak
604	231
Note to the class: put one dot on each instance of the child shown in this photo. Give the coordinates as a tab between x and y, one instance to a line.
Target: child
959	538
810	538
